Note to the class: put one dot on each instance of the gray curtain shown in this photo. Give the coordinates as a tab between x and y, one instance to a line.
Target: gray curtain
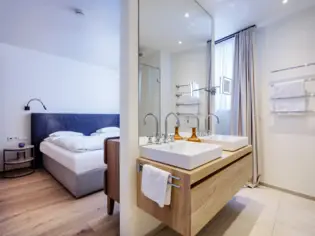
209	83
243	115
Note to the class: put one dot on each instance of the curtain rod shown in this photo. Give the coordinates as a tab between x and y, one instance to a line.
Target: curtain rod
231	35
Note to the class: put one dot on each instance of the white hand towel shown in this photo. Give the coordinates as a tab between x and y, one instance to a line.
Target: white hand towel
288	89
188	109
155	186
289	105
188	99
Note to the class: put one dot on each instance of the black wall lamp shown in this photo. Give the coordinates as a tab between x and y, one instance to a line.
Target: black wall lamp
27	107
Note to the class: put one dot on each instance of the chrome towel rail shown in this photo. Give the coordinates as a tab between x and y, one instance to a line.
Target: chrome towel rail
182	85
187	114
294	67
140	166
308	95
291	80
293	112
187	104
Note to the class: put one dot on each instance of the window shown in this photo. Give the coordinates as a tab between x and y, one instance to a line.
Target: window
224	60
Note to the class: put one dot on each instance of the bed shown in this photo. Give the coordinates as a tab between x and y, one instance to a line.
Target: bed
80	173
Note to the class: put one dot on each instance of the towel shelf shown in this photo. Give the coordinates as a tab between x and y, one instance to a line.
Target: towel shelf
187	114
305	96
292	112
294	67
187	104
182	85
140	166
312	79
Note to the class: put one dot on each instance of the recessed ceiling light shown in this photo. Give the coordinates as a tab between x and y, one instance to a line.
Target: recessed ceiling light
285	1
187	15
180	42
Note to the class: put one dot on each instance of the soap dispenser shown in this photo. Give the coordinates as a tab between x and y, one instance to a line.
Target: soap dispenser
177	136
194	137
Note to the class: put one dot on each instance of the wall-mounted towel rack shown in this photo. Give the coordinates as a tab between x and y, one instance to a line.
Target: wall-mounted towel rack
291	80
305	96
181	94
187	104
294	67
183	85
187	114
140	166
292	112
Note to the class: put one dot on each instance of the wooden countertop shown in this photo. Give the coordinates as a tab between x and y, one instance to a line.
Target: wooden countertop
206	169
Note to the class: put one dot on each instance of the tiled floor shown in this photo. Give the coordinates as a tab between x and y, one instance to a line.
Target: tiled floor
261	212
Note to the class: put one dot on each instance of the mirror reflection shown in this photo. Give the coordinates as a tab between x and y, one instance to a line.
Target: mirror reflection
174	68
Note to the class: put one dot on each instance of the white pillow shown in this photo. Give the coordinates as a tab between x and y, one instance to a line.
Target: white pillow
108	129
107	134
65	133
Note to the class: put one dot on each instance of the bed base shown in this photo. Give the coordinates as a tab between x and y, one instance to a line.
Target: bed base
78	185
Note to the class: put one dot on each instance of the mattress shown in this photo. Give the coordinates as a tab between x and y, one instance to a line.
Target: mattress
76	162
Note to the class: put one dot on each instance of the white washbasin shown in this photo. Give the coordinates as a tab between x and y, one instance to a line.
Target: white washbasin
182	154
228	142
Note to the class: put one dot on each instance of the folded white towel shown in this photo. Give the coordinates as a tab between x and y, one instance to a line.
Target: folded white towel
289	105
188	109
288	89
188	99
155	185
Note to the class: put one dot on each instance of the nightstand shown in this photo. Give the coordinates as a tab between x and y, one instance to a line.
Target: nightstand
23	155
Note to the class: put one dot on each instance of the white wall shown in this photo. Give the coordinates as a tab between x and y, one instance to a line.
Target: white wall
187	66
53	27
64	85
286	147
167	90
46	51
150	93
133	221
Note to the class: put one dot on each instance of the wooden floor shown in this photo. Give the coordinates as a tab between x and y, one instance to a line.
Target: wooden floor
38	205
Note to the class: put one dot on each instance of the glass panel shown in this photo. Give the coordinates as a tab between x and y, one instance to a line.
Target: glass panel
224	59
149	97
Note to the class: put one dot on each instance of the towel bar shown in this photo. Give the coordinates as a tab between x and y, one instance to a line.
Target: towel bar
140	166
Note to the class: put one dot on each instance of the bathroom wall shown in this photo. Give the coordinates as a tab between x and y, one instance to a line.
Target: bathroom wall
286	143
149	100
187	66
133	221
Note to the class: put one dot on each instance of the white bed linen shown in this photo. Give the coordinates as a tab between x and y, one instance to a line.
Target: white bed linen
74	161
79	143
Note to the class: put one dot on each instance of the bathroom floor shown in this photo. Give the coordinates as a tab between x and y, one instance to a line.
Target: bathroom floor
261	212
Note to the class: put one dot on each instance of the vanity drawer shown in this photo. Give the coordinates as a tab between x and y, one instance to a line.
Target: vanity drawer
202	192
213	193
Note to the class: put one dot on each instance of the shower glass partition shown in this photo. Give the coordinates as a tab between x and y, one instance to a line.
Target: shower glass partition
149	98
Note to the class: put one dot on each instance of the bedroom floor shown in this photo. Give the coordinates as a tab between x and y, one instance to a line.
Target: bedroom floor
38	205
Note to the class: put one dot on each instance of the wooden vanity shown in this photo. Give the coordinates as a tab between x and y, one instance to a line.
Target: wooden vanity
203	191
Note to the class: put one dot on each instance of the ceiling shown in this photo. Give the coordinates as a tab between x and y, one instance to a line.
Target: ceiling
163	23
51	26
233	15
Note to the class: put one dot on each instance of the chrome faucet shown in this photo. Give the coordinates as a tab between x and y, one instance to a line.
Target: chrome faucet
177	123
198	122
206	121
156	122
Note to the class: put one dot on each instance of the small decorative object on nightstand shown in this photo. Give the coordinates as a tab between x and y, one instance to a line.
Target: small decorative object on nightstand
24	154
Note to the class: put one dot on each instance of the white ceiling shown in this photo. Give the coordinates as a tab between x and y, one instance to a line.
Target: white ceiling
162	22
51	26
163	25
233	15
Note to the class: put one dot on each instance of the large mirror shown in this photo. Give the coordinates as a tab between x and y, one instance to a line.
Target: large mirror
174	65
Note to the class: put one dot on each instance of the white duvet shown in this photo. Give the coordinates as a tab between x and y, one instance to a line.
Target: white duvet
79	143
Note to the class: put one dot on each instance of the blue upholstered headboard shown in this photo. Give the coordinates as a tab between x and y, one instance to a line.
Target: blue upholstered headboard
43	124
